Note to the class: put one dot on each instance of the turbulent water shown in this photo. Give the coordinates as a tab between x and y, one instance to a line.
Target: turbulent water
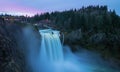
51	48
53	57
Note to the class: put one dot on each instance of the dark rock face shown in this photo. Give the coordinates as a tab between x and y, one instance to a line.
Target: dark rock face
97	38
73	36
11	58
107	44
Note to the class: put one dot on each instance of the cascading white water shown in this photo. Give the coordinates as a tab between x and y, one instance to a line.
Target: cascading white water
51	48
49	57
51	54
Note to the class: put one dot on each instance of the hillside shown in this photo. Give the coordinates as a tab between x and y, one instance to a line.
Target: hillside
92	27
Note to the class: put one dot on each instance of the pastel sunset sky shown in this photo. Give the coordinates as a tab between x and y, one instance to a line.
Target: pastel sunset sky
32	7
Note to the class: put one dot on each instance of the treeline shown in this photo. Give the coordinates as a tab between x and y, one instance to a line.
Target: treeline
90	18
97	27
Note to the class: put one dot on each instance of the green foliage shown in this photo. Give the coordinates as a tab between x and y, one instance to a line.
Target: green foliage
91	20
96	18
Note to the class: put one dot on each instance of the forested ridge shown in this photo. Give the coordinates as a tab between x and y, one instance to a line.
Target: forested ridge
86	18
93	27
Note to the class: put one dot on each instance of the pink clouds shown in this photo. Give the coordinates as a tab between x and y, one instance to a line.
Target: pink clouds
40	6
17	9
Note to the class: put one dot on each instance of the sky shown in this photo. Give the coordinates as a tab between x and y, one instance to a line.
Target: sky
31	7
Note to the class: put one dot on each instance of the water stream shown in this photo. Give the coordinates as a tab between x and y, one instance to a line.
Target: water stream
53	57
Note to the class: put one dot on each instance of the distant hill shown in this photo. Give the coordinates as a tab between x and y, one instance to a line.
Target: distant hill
16	13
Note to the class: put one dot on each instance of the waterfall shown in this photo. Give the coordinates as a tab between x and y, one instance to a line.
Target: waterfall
51	47
48	55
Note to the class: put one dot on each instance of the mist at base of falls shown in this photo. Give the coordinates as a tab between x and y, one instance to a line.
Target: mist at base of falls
78	62
81	61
